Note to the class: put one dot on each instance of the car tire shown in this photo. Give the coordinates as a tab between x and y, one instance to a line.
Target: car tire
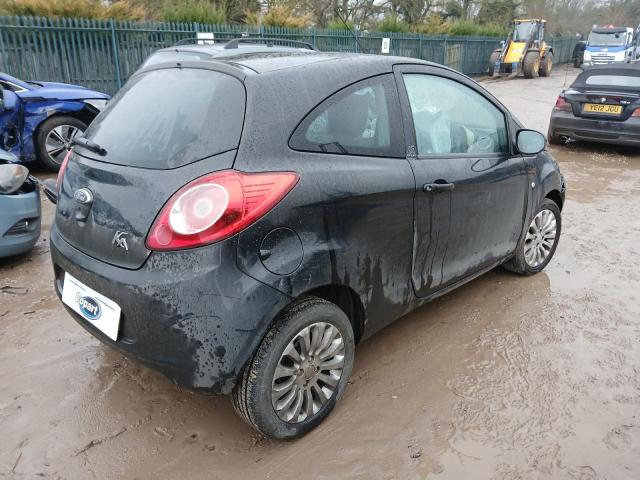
531	64
495	56
521	262
554	139
547	65
259	391
53	137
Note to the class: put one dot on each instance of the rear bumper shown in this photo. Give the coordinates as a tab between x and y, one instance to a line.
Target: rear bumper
603	131
15	209
192	315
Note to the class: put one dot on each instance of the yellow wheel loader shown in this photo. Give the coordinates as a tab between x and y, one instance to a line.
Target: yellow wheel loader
524	51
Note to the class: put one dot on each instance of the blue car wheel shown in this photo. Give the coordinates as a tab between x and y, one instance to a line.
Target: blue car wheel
54	139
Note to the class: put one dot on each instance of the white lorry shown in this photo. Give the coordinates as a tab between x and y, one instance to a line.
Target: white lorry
609	44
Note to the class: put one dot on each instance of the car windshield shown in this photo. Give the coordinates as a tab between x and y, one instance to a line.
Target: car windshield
523	31
614	81
612	39
171	117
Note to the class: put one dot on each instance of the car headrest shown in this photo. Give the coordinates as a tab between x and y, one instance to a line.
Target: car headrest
347	118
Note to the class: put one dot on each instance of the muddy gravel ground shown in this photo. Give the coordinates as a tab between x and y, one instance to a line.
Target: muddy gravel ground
505	378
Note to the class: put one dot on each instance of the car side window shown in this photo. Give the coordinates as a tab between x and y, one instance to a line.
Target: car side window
451	118
362	119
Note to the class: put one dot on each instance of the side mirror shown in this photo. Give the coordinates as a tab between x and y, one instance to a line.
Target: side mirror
530	142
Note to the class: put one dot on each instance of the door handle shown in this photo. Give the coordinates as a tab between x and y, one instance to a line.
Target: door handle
438	187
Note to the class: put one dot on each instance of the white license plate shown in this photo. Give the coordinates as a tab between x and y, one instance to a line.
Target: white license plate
102	313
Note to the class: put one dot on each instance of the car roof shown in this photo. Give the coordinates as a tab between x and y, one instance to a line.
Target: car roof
621	69
263	58
612	69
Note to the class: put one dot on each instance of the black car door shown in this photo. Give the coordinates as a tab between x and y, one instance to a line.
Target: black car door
470	189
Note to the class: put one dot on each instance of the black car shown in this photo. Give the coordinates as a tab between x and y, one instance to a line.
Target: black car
241	216
601	105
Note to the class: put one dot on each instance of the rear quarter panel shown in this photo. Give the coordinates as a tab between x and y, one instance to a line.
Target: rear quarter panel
355	224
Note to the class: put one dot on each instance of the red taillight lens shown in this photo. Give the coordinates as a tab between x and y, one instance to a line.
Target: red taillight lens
63	167
636	113
217	206
562	105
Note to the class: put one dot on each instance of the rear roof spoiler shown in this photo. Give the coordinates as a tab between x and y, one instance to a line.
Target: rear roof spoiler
235	42
269	42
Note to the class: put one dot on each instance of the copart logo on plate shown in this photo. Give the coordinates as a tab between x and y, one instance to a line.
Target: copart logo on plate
89	307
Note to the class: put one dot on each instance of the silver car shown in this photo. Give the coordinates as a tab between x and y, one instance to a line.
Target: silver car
19	207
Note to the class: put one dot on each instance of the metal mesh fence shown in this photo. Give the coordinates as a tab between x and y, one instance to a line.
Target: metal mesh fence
102	54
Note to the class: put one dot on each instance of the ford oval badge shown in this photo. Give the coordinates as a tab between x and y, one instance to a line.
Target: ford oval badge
83	196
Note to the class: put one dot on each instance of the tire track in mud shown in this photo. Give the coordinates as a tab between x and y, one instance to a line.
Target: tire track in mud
535	390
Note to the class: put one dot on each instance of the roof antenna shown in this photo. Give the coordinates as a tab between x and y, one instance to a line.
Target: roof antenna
336	11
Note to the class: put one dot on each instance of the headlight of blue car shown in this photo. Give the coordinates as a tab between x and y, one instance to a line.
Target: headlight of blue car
97	103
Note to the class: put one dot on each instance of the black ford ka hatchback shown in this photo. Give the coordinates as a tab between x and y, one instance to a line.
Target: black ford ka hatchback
241	215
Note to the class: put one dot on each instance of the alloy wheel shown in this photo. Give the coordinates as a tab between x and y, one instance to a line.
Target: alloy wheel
540	238
58	141
308	372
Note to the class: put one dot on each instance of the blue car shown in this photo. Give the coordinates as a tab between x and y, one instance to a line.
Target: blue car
38	120
19	207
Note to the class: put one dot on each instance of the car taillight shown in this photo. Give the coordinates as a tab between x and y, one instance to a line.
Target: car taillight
562	105
636	113
217	206
63	167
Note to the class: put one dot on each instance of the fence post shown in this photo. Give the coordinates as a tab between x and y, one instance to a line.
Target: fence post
116	53
3	53
314	37
355	34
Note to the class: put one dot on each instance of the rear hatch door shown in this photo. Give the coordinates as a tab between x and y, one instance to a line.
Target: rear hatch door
165	128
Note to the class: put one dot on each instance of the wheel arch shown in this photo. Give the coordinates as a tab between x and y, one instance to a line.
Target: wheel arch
339	294
85	115
347	300
556	197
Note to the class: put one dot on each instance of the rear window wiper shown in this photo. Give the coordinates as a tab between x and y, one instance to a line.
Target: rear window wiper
89	145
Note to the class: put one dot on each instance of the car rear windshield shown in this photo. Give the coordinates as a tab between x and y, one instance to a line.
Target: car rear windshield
171	117
614	81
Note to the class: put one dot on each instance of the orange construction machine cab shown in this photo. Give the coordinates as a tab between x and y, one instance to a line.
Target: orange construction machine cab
524	51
